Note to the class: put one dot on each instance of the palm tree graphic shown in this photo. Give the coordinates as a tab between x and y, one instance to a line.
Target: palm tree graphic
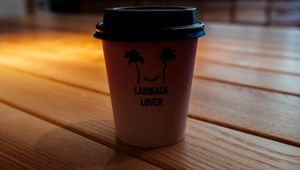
166	56
134	56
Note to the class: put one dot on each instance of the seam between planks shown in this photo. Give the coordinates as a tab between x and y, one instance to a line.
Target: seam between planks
271	56
250	67
245	130
246	86
56	80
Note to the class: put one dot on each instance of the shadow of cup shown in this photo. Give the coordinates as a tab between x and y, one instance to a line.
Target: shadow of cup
71	150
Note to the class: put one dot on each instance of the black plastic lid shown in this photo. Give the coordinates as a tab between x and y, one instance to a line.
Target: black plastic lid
149	24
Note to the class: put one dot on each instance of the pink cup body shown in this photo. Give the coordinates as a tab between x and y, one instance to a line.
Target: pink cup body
150	112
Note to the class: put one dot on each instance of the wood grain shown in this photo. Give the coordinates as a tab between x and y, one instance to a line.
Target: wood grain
251	78
225	109
260	51
253	33
250	61
89	114
30	143
250	71
274	116
260	43
8	162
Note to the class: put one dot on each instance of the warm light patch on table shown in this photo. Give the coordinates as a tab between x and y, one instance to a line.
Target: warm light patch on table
59	45
53	54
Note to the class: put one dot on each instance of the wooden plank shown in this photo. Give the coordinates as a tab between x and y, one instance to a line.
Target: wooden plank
256	49
92	76
206	146
63	70
10	163
47	58
251	32
30	143
283	47
253	39
250	110
285	66
247	77
44	44
219	50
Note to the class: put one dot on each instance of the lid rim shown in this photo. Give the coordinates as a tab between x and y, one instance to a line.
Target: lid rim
138	22
148	37
156	8
197	26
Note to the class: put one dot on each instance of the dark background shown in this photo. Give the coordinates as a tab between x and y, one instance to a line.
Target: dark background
258	12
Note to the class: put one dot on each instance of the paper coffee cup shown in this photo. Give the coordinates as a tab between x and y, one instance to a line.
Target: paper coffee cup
149	55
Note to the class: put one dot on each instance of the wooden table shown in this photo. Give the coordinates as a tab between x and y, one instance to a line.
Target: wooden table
55	110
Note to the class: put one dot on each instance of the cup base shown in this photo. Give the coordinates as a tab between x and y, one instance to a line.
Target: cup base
152	146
